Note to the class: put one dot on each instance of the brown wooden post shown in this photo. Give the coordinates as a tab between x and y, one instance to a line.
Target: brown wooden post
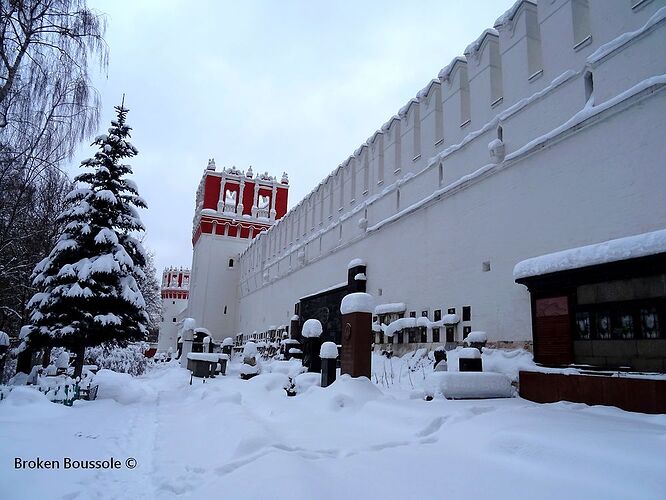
355	358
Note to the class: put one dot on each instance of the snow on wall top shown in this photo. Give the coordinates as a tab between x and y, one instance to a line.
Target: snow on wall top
395	307
311	328
508	16
357	302
630	247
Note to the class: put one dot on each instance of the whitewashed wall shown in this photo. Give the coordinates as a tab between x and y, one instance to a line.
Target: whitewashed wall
576	188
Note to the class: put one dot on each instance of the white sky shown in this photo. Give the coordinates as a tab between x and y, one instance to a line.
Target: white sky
291	86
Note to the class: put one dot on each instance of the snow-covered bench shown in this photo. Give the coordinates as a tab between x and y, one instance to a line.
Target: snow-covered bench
468	385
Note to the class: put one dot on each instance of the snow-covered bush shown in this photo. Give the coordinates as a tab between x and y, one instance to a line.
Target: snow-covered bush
130	359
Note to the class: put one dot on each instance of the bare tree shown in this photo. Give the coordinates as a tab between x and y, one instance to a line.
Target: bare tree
47	106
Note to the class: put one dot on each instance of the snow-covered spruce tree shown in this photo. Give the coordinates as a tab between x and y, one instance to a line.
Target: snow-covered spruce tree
89	293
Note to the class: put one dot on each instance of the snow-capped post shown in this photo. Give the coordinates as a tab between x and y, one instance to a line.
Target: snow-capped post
186	337
88	290
227	346
356	276
311	332
356	309
328	354
295	327
476	339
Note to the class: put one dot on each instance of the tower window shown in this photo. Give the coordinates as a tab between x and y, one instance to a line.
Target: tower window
231	262
174	320
589	86
225	309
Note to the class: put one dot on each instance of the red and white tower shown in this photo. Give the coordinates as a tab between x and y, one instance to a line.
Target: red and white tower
175	294
232	207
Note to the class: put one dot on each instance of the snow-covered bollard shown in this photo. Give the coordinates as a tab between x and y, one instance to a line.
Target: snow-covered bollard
469	360
328	354
356	309
311	332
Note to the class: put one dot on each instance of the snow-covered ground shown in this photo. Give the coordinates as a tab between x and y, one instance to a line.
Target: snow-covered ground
230	438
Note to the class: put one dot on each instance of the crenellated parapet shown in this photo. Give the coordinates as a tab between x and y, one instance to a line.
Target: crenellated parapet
542	69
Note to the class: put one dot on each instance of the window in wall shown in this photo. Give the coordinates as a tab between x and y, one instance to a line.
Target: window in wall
451	310
424	314
438	315
439	115
500	133
173	301
466	331
467	313
380	158
424	334
441	174
435	334
465	116
534	64
496	93
225	309
174	320
589	86
416	130
580	13
231	262
353	179
450	334
412	314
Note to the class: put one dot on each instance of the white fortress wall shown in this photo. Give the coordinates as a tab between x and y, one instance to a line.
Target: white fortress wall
559	196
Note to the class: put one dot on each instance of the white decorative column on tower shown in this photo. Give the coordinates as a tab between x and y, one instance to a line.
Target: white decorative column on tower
254	200
221	200
273	212
239	205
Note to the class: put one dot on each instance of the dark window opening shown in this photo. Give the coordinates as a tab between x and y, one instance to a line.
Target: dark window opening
451	310
466	331
435	334
424	314
225	309
619	321
412	314
438	314
231	262
589	85
174	320
467	313
450	334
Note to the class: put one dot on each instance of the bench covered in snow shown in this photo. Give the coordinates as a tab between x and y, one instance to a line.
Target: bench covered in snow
468	385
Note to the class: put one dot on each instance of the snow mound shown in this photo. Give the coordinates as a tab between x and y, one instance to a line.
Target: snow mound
23	396
345	393
355	263
468	385
121	387
271	381
305	381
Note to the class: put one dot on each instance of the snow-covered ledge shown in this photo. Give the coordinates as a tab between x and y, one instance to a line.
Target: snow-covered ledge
630	247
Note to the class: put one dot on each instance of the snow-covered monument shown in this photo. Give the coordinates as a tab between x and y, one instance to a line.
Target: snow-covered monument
546	135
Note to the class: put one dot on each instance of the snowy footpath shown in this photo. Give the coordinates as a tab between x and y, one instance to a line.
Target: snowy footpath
236	439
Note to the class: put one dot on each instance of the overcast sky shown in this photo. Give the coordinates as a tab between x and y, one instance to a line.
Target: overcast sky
291	86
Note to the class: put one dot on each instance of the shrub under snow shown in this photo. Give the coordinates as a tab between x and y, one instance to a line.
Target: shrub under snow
130	359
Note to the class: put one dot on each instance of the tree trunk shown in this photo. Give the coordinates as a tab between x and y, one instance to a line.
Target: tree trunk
46	357
24	361
78	364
